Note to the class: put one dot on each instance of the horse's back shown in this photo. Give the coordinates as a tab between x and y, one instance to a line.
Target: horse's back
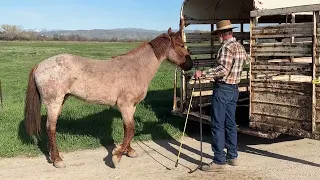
124	78
88	79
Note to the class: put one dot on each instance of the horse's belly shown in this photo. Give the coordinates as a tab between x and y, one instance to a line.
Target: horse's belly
94	94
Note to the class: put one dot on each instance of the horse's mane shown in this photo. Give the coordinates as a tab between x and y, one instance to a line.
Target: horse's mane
133	50
160	45
138	48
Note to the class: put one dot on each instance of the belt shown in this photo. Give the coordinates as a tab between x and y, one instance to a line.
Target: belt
224	83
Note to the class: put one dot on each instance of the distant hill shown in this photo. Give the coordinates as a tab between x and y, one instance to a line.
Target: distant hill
121	33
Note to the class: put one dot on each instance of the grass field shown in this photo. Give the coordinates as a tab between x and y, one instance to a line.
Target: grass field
81	125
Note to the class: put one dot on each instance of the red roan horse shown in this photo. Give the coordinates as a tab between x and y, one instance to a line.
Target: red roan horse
121	81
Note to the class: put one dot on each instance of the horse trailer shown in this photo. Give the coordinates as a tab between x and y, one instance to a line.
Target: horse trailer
279	88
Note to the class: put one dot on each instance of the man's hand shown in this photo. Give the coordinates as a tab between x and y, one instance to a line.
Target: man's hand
197	74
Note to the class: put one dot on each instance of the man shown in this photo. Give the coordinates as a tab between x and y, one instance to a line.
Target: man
225	95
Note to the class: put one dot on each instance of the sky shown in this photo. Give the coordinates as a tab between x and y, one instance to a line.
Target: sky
91	14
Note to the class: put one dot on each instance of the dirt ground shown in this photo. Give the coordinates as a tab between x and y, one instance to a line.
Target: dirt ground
283	158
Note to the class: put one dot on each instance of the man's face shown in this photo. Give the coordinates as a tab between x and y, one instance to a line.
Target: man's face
220	37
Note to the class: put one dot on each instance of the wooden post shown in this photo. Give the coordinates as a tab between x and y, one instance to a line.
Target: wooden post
253	23
212	40
315	62
175	90
182	76
1	98
241	27
292	40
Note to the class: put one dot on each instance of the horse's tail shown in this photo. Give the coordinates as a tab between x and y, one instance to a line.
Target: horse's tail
32	107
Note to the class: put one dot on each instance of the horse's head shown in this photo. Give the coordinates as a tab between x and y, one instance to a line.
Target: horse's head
177	53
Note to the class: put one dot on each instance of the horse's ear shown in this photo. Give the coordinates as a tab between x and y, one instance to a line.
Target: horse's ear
169	30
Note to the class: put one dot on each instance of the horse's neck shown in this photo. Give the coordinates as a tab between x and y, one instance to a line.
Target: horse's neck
144	58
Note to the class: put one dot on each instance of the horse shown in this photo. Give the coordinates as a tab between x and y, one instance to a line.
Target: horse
120	82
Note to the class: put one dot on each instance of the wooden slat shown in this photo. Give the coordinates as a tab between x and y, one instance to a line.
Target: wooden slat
287	10
283	100
282	49
306	50
205	62
283	30
208	36
196	50
303	87
237	35
204	86
199	37
270	54
315	62
282	67
292	25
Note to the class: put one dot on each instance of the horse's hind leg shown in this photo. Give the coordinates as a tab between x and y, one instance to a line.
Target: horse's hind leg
127	113
53	111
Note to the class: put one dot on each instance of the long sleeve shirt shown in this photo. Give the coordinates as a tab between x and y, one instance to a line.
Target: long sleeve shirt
230	60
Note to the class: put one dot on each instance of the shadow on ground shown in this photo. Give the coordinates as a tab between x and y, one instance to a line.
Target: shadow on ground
161	103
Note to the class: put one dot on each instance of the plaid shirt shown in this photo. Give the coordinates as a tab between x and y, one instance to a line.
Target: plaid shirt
230	60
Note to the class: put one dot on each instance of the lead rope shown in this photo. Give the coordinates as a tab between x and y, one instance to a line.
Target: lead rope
201	153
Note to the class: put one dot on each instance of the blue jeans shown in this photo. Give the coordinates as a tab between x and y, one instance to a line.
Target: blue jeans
223	123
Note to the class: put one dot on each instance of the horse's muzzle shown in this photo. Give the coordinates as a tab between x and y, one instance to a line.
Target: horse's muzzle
188	64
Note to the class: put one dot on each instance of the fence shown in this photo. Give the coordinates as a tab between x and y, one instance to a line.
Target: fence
282	96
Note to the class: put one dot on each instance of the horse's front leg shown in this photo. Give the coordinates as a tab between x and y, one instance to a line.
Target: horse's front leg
127	113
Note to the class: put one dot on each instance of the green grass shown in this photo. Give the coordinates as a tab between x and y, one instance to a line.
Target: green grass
81	125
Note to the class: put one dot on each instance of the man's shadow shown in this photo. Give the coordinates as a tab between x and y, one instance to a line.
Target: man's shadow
164	98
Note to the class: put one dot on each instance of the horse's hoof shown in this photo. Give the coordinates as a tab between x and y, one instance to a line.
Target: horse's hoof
59	164
115	160
133	154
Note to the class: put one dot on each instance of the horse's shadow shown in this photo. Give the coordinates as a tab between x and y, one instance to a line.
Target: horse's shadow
98	125
161	104
159	101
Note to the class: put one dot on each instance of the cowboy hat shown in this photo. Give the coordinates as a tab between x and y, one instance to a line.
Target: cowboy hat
223	25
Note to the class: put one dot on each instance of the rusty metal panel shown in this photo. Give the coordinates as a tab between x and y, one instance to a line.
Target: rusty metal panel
281	106
284	130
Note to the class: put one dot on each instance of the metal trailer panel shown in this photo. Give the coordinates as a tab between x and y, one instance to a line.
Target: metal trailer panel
211	11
